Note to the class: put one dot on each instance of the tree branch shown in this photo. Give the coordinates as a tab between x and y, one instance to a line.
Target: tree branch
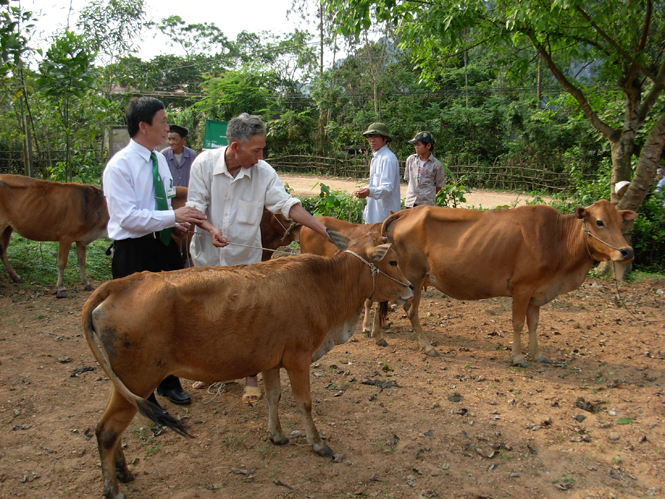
579	96
652	95
619	49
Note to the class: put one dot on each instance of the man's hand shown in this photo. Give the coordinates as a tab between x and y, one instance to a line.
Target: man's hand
189	214
218	239
362	193
182	230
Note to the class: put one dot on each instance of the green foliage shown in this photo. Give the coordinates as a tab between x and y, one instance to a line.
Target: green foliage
452	193
649	235
66	70
339	204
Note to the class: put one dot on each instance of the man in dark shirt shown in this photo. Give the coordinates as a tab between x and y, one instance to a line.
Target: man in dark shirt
178	156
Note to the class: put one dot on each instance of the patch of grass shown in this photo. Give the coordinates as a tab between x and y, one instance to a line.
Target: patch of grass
640	275
37	261
154	449
234	441
616	459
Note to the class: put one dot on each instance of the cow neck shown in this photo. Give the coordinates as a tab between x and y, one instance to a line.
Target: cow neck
571	229
347	278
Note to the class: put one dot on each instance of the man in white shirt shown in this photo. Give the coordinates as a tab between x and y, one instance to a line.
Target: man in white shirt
231	185
383	193
133	193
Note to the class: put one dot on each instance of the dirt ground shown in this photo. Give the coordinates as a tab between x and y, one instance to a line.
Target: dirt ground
466	424
307	186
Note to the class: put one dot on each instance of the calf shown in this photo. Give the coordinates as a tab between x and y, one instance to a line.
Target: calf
51	211
532	253
222	323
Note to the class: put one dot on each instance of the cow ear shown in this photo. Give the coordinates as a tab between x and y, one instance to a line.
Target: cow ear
339	240
627	215
378	252
580	212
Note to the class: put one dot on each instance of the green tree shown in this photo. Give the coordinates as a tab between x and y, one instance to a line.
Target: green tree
66	73
585	44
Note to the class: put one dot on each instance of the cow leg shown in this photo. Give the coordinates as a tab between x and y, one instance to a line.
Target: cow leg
412	314
80	257
520	306
63	253
366	329
380	313
6	236
273	395
116	418
299	376
532	316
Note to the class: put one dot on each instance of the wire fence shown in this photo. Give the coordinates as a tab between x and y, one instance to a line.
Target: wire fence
15	161
515	175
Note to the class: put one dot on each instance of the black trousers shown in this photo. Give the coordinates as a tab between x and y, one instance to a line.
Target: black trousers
146	253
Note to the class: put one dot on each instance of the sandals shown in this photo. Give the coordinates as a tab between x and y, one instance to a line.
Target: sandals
252	395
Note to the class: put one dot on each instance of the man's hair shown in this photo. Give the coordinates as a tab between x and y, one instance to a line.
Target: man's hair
141	109
661	171
243	127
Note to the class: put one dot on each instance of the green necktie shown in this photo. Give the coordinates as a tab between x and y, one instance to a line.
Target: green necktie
160	197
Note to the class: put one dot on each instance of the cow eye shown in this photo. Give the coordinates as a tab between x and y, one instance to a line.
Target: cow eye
600	223
393	263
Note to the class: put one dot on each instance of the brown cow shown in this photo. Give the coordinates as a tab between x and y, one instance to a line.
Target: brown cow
51	211
276	229
313	243
221	323
532	253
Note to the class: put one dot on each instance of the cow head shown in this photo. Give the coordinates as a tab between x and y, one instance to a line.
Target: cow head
389	284
602	224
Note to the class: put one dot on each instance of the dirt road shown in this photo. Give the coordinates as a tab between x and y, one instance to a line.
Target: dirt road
302	185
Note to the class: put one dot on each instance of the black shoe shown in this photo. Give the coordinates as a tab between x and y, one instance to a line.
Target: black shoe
176	395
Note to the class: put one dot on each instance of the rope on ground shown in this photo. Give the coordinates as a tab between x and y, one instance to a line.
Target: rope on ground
215	390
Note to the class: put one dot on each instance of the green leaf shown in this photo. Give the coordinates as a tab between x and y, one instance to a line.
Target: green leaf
624	420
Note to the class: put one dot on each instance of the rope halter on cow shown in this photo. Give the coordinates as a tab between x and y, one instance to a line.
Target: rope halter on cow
288	230
375	270
588	233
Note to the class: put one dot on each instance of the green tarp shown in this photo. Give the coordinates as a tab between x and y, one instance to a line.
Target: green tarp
215	134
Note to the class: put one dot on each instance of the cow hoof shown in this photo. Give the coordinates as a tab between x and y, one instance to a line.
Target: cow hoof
368	334
125	477
61	294
521	363
283	441
88	287
544	360
113	495
325	451
382	343
432	352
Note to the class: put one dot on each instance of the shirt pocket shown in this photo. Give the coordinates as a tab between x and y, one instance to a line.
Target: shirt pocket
249	212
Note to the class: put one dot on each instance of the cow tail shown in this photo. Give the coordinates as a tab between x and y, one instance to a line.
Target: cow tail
386	229
152	411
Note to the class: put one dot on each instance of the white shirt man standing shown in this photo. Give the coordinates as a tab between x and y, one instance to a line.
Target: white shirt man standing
138	188
231	185
383	193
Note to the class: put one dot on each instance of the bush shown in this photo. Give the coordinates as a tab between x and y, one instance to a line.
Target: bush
649	235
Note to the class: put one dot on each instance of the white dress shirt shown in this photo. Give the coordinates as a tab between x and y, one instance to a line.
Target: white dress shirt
234	206
384	194
130	193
